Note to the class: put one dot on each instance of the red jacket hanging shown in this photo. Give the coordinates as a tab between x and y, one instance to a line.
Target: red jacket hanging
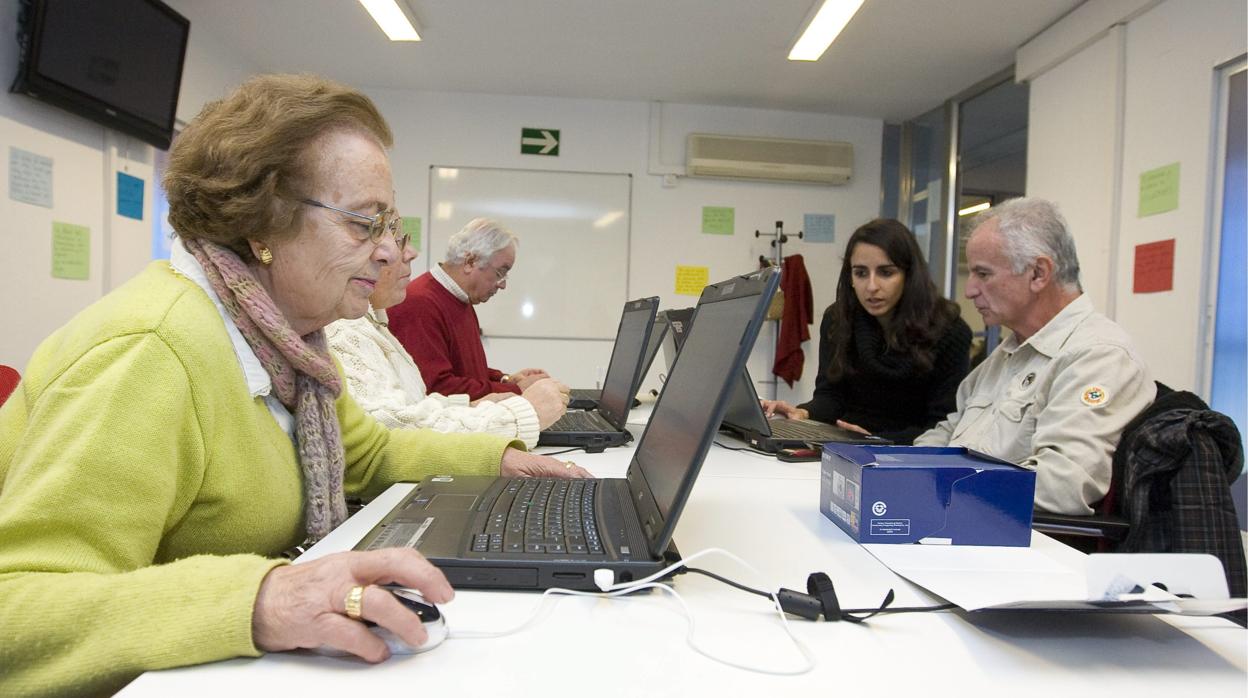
799	312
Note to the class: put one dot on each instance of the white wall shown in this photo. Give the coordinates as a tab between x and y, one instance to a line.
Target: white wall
86	158
448	129
1164	69
1071	156
612	136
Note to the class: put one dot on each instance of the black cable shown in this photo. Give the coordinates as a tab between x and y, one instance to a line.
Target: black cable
747	449
871	611
727	581
566	450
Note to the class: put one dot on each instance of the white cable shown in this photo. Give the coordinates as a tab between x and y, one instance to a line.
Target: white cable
626	588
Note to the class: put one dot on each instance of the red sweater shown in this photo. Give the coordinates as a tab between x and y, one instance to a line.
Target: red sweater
443	336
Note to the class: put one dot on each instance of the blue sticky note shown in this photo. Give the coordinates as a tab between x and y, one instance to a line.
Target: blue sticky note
820	227
129	196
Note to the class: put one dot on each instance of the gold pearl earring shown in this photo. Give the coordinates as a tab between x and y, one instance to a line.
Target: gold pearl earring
266	257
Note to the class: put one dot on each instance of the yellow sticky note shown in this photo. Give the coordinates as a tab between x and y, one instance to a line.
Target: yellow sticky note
691	280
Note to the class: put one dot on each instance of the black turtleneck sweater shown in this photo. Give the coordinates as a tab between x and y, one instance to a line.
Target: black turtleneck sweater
884	394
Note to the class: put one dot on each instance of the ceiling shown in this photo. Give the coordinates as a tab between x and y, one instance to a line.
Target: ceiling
895	59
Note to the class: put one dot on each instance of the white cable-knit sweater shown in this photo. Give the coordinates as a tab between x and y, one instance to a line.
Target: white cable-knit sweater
385	381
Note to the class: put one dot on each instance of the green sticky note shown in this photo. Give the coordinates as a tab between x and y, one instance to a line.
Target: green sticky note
1159	190
718	220
71	251
411	227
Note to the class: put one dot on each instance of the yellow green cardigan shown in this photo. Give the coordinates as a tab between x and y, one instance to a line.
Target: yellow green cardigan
144	492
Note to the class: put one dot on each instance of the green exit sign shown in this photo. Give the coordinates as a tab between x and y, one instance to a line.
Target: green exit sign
539	141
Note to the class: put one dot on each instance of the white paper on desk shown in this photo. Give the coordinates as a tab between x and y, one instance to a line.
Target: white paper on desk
983	577
978	576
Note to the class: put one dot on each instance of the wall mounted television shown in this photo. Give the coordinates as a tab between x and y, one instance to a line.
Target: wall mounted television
117	62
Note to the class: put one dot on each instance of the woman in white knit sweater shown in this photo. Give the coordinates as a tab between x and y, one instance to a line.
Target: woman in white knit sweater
385	381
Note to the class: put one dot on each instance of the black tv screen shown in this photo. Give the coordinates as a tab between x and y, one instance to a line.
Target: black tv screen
118	62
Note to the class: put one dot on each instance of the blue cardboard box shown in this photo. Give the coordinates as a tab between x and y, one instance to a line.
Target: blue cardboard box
908	494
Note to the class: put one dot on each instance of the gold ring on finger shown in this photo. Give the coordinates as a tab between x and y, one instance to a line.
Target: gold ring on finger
355	602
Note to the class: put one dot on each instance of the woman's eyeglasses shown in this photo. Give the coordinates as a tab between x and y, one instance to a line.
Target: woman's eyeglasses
388	222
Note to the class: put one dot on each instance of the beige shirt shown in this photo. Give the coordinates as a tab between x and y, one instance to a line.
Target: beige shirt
385	382
1056	403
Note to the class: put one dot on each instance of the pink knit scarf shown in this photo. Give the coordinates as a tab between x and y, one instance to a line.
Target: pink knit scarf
303	375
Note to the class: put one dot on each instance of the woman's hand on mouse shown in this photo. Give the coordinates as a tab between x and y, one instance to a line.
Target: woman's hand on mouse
304	606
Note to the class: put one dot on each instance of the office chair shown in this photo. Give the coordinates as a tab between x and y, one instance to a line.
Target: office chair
9	378
1170	491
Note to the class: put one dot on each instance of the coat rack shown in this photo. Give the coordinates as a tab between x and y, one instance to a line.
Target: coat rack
777	244
778	239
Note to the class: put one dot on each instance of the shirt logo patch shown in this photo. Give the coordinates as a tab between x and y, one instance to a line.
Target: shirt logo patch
1094	396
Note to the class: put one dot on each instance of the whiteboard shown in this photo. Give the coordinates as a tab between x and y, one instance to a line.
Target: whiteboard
570	280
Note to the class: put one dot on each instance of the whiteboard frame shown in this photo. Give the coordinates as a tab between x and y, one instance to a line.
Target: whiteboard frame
628	240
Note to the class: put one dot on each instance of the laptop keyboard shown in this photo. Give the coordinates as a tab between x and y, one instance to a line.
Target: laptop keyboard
554	517
799	429
574	420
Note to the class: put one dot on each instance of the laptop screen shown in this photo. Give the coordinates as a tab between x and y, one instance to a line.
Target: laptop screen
744	412
687	414
630	341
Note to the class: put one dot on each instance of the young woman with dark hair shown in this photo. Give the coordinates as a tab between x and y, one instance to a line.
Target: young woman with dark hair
891	350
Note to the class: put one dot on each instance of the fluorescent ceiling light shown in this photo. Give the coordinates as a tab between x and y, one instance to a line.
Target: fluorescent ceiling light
829	20
393	18
974	209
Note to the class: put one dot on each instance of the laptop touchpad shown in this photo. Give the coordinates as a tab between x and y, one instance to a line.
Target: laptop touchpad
451	502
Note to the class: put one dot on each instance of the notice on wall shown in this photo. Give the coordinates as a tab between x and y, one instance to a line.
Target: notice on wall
411	228
30	178
1154	267
718	220
129	196
691	280
71	251
819	227
1159	190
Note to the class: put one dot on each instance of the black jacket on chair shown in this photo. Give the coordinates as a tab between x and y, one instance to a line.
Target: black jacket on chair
1175	464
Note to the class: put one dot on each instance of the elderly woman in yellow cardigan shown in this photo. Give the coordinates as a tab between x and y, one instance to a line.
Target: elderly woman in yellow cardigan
170	442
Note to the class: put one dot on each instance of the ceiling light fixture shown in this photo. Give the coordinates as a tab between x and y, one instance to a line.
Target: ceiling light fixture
974	209
394	18
829	20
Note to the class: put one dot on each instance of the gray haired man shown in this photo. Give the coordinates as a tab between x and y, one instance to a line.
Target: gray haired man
438	326
1056	395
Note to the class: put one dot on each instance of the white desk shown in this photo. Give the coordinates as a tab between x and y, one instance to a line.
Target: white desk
767	513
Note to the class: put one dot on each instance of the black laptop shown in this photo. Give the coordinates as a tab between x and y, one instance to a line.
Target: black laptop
587	398
489	532
745	419
678	321
604	426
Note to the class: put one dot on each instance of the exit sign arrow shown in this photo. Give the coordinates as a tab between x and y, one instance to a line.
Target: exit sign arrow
539	141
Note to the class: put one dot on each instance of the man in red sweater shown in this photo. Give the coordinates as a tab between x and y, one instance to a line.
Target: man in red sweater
438	326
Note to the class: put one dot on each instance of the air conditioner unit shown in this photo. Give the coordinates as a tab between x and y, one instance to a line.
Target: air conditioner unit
735	157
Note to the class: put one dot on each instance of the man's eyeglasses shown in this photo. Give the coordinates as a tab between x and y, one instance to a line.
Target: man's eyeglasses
388	222
499	273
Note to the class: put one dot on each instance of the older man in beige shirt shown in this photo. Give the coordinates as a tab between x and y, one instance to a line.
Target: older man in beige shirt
1056	395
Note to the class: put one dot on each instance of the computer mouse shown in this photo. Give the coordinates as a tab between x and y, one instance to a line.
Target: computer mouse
430	616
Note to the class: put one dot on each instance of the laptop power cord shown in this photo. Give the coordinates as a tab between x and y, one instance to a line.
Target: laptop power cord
604	579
